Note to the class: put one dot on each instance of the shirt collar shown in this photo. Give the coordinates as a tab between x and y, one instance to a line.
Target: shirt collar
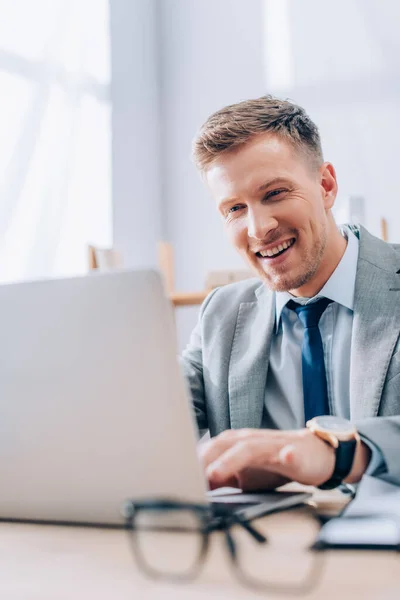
339	287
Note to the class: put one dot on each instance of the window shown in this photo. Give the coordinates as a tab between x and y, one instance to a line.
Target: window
55	136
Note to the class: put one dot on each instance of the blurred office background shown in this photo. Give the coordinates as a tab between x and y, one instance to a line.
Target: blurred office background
100	100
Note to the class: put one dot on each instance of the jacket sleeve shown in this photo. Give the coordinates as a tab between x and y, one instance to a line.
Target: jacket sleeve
192	367
384	433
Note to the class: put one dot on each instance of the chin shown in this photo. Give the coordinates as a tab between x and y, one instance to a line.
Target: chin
284	284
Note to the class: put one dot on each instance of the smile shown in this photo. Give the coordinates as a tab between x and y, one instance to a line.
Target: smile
277	250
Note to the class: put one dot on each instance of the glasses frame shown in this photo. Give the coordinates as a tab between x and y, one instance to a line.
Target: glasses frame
211	519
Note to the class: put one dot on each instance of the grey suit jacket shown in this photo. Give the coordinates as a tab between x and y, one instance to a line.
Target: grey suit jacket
226	361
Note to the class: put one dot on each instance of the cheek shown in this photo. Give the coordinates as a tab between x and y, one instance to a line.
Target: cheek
305	207
308	216
237	235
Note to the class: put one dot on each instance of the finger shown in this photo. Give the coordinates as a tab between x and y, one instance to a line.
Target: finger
231	482
211	450
250	453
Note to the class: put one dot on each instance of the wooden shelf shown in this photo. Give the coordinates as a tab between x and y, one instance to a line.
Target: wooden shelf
188	298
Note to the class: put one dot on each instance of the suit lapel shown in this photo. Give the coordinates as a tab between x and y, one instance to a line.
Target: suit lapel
376	324
249	360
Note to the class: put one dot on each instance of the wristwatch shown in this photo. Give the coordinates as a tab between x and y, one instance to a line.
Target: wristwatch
343	437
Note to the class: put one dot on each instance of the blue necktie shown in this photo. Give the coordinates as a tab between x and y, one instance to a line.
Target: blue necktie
313	365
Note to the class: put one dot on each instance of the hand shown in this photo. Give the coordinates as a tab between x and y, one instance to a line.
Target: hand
265	459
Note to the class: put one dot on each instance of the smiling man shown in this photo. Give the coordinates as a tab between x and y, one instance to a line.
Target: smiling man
296	373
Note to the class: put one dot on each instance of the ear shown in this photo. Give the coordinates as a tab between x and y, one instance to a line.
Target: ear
328	185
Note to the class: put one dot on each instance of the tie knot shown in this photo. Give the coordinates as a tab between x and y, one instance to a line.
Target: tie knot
309	314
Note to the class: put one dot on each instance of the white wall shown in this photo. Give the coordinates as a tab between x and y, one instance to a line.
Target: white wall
210	57
345	70
176	61
136	137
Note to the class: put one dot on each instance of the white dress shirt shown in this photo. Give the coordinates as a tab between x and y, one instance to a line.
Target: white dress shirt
284	404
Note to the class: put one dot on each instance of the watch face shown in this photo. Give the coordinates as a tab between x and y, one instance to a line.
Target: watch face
334	424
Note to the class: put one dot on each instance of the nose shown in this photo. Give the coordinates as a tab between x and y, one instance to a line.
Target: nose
260	222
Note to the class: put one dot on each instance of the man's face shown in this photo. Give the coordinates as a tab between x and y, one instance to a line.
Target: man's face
275	208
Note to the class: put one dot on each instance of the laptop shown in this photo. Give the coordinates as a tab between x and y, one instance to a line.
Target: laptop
94	408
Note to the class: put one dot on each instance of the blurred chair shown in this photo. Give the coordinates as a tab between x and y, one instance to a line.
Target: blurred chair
214	278
104	259
166	264
167	268
217	278
384	228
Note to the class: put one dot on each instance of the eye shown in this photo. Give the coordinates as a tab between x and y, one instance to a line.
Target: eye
275	193
235	208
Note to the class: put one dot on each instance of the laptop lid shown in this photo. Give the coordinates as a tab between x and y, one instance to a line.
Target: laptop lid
93	406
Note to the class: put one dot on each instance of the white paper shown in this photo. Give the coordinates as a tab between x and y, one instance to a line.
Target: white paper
371	531
375	497
371	519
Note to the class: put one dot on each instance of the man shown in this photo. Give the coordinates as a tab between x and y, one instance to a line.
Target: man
316	334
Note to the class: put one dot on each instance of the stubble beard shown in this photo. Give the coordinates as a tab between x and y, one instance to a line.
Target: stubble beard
278	282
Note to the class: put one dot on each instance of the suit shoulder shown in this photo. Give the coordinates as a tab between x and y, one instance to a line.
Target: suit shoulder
233	294
392	257
375	251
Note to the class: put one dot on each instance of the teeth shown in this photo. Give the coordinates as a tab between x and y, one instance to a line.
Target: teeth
277	249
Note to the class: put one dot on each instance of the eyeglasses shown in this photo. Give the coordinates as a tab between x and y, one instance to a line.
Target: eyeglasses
180	557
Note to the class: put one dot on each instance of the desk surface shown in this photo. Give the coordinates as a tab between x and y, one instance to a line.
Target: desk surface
60	563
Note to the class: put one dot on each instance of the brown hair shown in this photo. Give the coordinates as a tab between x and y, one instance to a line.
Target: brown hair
233	126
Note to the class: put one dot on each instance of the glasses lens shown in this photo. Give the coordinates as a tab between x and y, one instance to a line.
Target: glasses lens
285	562
168	542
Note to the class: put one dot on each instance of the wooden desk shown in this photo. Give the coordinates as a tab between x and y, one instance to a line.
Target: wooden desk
60	563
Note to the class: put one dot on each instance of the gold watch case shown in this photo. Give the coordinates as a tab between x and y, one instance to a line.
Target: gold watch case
333	429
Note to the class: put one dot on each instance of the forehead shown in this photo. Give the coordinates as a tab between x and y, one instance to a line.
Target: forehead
242	171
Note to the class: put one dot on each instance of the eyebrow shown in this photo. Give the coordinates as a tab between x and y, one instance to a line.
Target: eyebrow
261	188
271	182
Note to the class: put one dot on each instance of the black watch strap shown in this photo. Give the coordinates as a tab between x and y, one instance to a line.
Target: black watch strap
344	461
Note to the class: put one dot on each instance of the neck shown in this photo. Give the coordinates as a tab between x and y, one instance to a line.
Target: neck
333	254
